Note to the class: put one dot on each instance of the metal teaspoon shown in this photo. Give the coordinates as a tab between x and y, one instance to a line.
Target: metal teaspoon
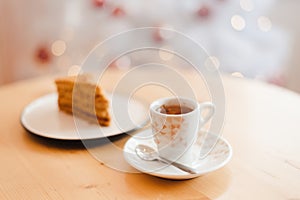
149	154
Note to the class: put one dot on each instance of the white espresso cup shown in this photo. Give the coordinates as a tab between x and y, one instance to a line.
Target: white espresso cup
175	125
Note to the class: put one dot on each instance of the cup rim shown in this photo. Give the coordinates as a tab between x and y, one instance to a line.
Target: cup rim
161	100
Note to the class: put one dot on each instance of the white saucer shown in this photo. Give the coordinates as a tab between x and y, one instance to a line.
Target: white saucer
42	117
217	158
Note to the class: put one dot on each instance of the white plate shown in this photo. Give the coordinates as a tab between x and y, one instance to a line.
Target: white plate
42	117
217	158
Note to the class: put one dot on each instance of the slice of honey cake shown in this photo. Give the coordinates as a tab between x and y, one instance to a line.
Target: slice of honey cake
82	98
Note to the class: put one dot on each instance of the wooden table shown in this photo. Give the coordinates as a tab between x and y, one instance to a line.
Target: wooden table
262	125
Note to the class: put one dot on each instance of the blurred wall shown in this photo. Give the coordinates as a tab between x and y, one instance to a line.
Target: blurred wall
15	24
26	27
286	13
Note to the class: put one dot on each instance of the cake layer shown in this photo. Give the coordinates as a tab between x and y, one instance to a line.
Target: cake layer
98	113
98	105
103	120
83	99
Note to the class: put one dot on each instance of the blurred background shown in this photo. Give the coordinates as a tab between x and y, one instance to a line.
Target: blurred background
244	38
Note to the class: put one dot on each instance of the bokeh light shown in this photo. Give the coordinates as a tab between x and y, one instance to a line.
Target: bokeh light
123	63
58	47
74	70
247	5
264	23
165	55
237	75
238	22
212	63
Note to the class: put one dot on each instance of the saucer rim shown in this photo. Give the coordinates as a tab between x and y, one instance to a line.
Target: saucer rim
180	176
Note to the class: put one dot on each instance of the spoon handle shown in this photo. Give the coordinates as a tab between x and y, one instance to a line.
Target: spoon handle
179	165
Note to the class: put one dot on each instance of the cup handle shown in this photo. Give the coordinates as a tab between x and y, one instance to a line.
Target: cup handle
211	111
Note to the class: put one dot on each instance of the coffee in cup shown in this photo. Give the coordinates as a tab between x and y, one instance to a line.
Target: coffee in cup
175	109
